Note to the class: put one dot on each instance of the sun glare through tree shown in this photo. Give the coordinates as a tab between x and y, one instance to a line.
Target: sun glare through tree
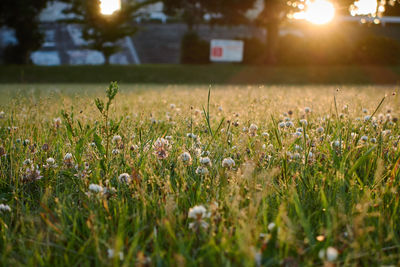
316	12
108	7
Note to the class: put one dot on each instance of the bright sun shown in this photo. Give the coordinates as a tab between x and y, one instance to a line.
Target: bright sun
107	7
317	12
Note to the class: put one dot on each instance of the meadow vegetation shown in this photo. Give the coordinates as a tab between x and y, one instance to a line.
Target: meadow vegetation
197	175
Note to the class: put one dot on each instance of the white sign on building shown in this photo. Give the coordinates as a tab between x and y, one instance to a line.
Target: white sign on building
226	51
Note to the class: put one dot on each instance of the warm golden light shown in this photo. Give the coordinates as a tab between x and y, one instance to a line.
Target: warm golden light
364	7
317	12
107	7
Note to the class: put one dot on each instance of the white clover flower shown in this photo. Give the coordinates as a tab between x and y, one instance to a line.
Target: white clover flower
289	124
95	188
310	155
198	213
320	129
202	170
4	208
27	162
2	114
115	151
191	135
205	161
57	122
386	132
68	157
281	124
265	134
220	108
330	254
228	163
297	134
335	144
50	161
271	226
124	178
26	142
185	157
111	253
373	140
300	130
367	118
364	110
253	128
364	138
303	122
172	106
307	110
116	139
296	155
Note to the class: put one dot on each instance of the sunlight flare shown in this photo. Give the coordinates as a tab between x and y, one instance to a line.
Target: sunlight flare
317	12
108	7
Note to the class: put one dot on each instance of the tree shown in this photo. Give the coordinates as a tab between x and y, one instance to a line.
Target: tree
23	17
220	11
103	31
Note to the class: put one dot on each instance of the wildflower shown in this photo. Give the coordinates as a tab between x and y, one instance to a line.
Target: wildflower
296	155
265	134
367	118
228	163
111	253
364	110
115	151
386	132
31	174
4	208
271	226
297	134
202	170
335	144
289	124
50	163
373	140
364	138
124	178
161	147
307	110
191	135
57	122
220	108
27	162
253	130
281	124
95	188
198	213
205	161
45	147
68	160
26	142
300	130
116	139
186	158
304	122
330	254
2	114
320	130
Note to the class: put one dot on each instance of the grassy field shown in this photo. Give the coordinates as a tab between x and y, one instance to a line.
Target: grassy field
203	74
172	175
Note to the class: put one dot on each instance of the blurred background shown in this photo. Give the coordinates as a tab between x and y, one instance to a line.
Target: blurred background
96	32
